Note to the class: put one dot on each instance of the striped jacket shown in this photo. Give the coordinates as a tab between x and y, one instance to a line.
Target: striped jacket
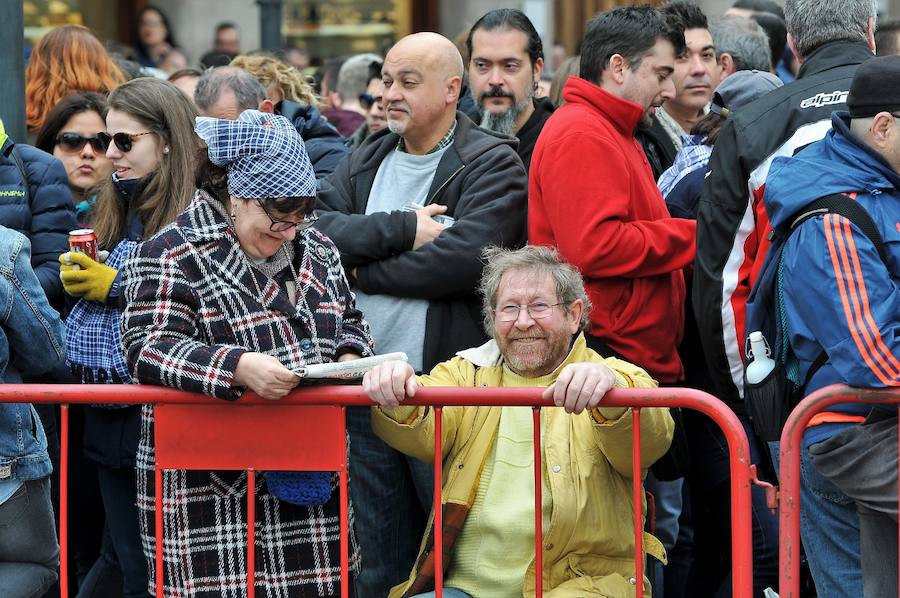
194	305
839	296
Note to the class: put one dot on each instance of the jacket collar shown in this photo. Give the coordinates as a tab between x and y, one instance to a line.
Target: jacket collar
833	55
622	114
203	225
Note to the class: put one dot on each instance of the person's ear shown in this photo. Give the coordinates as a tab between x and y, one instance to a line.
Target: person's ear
538	69
267	106
882	129
793	47
870	34
726	64
575	311
454	84
615	69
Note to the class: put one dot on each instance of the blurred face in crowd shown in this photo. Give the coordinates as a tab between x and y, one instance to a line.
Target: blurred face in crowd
696	73
228	41
86	165
253	227
146	148
152	28
650	83
375	119
502	78
533	346
421	78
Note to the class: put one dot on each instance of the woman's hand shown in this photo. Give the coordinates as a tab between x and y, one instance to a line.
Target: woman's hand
83	277
264	375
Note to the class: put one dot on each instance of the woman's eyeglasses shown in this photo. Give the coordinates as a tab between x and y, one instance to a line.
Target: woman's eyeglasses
74	142
123	141
279	225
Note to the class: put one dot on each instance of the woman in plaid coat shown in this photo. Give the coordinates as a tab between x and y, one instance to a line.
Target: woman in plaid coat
234	295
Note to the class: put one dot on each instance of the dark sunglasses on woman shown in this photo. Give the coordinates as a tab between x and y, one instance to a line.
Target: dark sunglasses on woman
123	141
75	142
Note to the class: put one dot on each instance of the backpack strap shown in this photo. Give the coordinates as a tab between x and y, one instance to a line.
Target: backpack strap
843	205
21	167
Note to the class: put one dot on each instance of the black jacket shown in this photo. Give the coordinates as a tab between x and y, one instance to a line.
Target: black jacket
530	131
482	182
657	146
44	212
732	226
324	144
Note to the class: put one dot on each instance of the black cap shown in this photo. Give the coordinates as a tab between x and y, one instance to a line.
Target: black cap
875	87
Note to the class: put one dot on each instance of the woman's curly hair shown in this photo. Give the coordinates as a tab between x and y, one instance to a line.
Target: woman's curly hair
294	86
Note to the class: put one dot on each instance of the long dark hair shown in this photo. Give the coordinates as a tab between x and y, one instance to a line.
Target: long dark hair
69	106
169	114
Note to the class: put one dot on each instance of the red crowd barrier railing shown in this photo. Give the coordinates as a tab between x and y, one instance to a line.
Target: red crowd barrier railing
197	432
789	475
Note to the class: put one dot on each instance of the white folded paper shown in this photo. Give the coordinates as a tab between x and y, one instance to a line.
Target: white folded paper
347	370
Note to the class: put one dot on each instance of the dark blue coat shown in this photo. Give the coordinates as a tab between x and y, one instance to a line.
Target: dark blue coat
324	144
44	213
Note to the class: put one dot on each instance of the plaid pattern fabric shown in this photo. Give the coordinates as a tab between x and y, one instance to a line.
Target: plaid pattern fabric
93	339
194	305
694	154
445	141
262	153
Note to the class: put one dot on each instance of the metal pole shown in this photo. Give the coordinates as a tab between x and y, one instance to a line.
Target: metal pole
12	70
270	24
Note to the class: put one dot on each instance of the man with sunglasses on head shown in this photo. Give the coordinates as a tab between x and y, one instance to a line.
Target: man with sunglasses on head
414	276
535	308
35	200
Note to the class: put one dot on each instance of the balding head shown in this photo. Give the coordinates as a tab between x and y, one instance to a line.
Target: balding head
422	76
438	53
226	91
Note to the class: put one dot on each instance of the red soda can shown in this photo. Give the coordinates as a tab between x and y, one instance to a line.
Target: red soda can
84	241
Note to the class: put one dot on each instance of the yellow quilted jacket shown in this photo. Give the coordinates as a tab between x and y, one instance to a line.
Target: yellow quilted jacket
589	542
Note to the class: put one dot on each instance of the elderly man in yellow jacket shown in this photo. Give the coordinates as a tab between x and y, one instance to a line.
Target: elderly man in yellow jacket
535	308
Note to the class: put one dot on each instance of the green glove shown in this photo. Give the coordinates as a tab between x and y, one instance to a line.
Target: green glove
83	277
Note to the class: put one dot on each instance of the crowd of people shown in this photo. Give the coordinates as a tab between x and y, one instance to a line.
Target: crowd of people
610	224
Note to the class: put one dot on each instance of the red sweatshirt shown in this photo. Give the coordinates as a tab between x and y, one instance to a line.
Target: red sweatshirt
591	194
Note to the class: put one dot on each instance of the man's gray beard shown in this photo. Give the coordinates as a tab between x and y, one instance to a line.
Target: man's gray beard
505	122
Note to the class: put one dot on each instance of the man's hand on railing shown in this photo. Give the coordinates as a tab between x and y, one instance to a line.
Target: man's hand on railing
581	386
389	383
264	375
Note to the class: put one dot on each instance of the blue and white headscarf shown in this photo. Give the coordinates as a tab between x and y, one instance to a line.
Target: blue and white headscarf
262	153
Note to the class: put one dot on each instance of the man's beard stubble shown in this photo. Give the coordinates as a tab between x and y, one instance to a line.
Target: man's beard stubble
504	122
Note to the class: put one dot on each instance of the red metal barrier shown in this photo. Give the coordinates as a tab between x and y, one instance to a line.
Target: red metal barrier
240	436
789	475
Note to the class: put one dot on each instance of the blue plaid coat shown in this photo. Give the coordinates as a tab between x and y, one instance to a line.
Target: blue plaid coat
194	305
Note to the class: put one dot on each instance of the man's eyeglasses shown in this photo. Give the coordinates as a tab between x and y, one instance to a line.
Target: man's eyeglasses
123	141
279	225
537	311
367	101
75	142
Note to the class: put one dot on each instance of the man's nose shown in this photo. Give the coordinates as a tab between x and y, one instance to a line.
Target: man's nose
495	78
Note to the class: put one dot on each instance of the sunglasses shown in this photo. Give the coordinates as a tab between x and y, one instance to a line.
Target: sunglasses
367	100
278	225
74	142
123	141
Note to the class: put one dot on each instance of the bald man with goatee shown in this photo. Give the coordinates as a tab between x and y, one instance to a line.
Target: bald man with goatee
411	211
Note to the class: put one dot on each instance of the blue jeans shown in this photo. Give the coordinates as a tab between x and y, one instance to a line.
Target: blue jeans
29	551
710	491
448	593
392	497
829	529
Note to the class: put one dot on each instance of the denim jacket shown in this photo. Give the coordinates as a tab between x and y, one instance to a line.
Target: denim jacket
31	340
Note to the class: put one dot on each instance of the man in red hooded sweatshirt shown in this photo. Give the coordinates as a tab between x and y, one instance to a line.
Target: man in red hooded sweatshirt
592	194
